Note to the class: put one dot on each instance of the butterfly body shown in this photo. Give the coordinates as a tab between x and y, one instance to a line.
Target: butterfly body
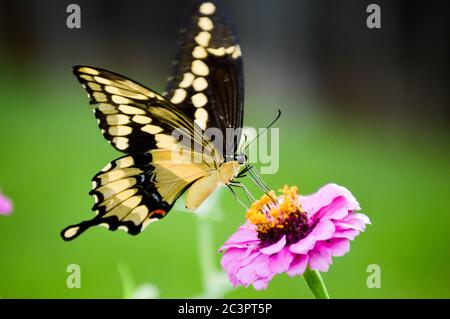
203	187
205	92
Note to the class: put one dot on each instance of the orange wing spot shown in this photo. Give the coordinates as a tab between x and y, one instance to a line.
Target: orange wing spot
159	212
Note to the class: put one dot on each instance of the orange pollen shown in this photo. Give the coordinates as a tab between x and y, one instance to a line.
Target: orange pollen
272	211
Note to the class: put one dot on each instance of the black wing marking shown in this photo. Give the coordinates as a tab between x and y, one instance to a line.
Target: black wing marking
207	80
133	118
135	190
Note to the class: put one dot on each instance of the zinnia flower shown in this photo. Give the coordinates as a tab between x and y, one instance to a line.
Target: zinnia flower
290	232
5	205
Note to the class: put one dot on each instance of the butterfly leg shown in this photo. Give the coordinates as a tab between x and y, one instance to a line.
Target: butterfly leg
236	196
259	177
248	194
250	169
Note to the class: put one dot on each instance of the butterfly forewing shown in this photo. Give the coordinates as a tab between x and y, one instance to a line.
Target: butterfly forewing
133	118
207	82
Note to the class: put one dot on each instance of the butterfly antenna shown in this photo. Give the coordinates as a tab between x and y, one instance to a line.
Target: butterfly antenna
263	131
245	140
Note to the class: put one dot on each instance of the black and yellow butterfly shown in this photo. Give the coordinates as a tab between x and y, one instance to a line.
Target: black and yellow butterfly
206	91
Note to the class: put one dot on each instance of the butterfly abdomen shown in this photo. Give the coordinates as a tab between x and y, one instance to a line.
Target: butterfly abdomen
202	188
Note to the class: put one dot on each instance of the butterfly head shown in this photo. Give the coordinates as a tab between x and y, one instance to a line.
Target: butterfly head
241	159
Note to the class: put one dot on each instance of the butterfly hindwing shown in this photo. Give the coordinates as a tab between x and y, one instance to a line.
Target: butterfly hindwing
207	82
136	190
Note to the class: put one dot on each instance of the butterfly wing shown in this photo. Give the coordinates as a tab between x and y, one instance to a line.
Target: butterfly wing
141	187
135	190
133	118
207	82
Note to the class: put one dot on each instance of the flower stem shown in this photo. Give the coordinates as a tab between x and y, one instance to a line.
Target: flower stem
204	240
315	283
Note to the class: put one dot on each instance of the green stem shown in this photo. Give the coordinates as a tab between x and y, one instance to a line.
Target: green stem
204	238
316	284
127	281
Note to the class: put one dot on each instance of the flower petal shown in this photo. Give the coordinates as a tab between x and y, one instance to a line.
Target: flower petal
348	233
260	284
231	255
248	258
280	262
323	230
232	263
5	205
257	268
325	196
273	249
304	245
319	259
350	224
338	246
243	237
335	210
261	266
362	217
246	275
298	265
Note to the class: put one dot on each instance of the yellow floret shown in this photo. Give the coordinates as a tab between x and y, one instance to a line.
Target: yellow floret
265	215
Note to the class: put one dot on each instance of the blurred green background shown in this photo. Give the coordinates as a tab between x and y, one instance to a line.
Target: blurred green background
348	117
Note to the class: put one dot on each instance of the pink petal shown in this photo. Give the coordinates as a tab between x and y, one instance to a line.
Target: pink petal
272	249
5	205
233	262
257	268
233	280
261	266
298	265
231	255
243	237
348	233
350	224
280	262
324	196
249	244
335	210
323	230
339	246
260	284
246	275
243	262
319	259
303	246
362	217
243	234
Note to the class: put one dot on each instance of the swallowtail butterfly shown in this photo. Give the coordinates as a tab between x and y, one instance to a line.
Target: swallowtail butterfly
205	91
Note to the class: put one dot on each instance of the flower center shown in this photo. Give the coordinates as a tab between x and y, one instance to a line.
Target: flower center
275	217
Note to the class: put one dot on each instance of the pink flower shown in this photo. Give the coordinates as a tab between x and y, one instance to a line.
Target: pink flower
5	205
290	232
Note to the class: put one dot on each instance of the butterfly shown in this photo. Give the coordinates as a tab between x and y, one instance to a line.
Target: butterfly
205	92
